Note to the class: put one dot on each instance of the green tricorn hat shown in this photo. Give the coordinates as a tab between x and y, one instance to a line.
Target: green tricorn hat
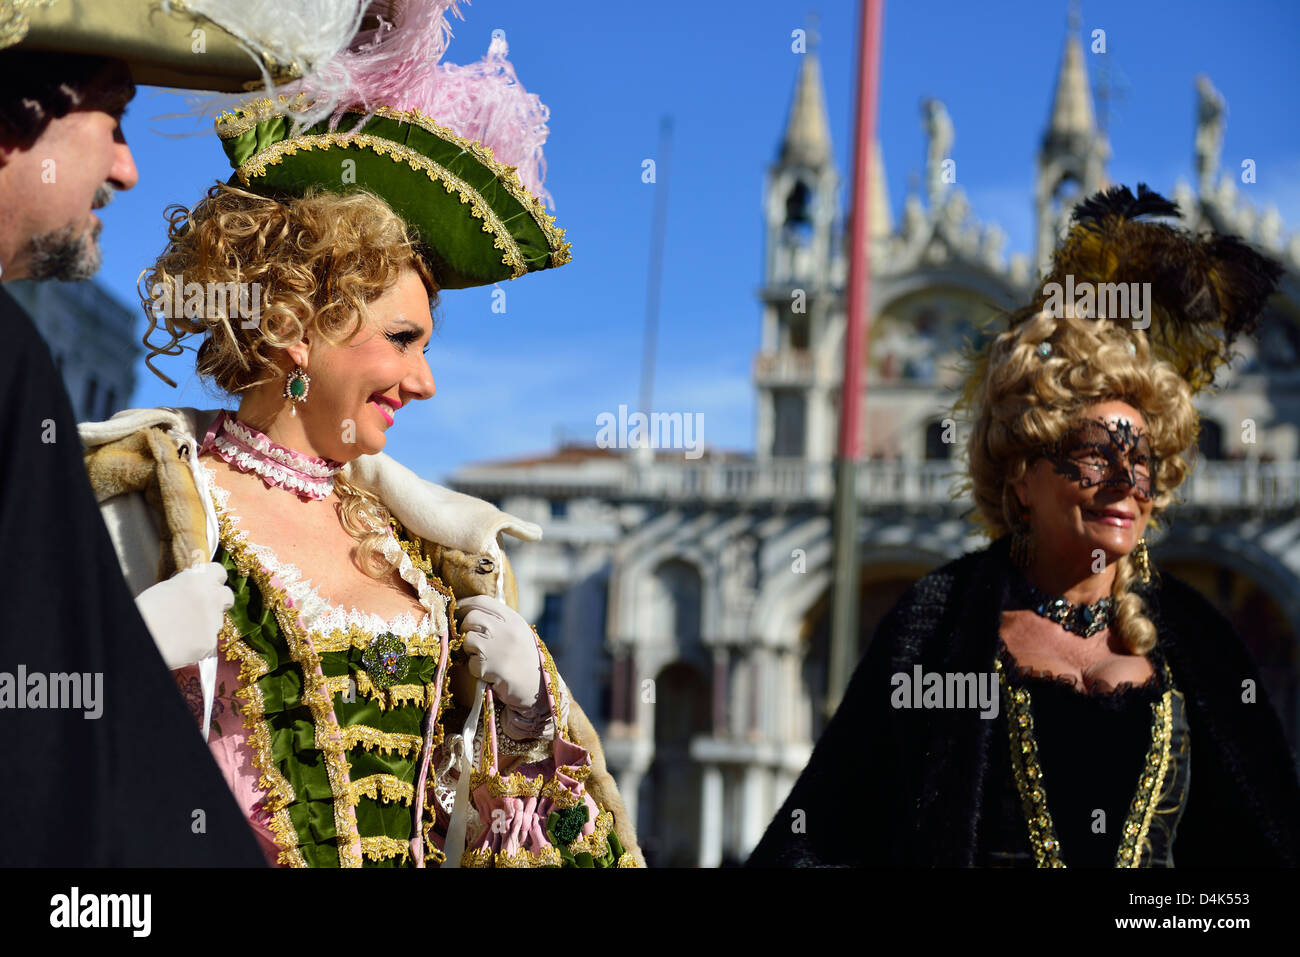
478	222
234	46
456	151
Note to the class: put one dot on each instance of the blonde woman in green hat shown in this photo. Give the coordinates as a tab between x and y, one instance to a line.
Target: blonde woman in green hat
372	696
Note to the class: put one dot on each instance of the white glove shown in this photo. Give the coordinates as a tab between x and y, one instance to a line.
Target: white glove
185	612
502	650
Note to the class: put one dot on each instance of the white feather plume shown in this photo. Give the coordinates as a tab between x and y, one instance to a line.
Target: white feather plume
298	33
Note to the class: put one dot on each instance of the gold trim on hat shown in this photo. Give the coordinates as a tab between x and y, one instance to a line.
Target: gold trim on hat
234	123
501	236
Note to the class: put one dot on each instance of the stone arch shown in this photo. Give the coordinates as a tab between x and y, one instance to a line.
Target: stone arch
791	608
628	581
884	574
1241	555
673	594
668	799
1257	594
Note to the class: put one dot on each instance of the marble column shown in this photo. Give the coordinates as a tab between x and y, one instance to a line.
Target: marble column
754	813
711	805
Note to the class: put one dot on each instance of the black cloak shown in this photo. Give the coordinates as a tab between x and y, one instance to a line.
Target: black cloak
904	787
123	789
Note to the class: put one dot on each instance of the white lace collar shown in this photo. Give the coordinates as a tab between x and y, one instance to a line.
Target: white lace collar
317	614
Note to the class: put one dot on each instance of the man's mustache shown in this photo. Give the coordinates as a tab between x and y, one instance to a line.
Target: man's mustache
103	196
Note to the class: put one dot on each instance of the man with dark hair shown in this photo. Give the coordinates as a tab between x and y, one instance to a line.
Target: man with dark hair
108	771
105	766
62	155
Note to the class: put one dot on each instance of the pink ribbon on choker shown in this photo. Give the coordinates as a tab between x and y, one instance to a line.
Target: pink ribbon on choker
278	466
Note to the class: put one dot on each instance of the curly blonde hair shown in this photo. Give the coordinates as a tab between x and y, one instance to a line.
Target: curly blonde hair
1021	401
318	259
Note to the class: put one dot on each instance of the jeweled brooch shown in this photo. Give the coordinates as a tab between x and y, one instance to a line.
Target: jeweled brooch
385	660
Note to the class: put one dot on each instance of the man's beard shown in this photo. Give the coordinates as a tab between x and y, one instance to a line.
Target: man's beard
70	254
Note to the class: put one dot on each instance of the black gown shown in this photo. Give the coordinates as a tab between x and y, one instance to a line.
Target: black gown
908	787
1092	751
135	786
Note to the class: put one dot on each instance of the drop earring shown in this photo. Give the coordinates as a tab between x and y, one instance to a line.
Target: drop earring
296	387
1142	560
1022	547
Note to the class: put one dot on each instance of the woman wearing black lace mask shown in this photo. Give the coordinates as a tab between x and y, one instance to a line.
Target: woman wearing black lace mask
1112	680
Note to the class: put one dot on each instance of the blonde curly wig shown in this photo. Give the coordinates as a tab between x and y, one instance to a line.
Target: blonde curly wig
1020	401
318	259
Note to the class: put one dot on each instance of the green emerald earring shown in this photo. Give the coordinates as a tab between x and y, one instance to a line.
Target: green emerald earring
296	388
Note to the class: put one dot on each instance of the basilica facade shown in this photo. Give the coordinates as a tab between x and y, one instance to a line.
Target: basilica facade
687	600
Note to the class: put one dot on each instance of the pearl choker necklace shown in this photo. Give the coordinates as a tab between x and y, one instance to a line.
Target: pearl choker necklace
249	450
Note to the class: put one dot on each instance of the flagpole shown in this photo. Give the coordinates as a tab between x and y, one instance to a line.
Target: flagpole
845	588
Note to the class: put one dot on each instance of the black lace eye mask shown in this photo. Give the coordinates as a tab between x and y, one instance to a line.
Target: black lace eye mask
1112	455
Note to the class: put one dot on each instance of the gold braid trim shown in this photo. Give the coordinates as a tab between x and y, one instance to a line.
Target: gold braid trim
355	636
337	684
1024	767
561	796
247	115
508	175
513	785
546	857
371	738
367	687
502	238
549	664
392	788
399	695
482	857
383	847
1029	777
395	697
413	545
341	684
596	843
579	773
279	791
486	857
1136	829
314	694
443	705
414	551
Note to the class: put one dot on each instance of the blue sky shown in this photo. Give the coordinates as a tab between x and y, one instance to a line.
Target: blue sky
569	345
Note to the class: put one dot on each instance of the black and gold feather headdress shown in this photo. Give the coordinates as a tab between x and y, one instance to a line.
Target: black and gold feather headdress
1206	291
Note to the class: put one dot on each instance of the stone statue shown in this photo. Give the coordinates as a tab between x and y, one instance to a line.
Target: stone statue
1210	111
939	136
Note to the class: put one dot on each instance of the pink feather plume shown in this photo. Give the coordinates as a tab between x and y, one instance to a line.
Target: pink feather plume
399	66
